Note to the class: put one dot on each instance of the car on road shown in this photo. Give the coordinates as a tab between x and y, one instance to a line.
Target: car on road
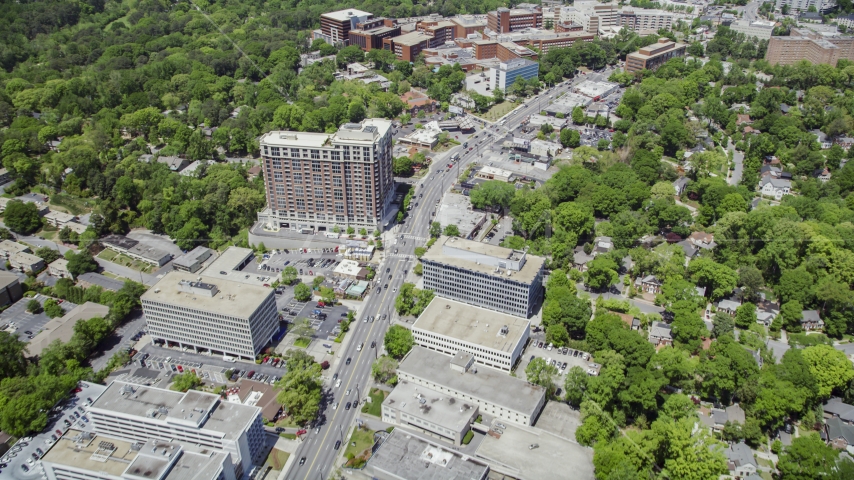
337	444
338	384
348	360
302	461
347	407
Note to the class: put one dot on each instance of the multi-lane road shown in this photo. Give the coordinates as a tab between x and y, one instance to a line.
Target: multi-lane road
318	447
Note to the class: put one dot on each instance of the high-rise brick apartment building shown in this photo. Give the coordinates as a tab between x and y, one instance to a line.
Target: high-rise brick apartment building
804	44
316	181
335	26
505	20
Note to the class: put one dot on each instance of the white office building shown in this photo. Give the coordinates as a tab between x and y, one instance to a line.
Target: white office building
317	181
494	339
504	397
488	276
135	413
823	6
760	29
210	314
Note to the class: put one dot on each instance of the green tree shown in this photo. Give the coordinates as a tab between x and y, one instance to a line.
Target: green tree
13	363
47	254
830	368
22	217
719	279
384	369
577	116
792	313
402	166
435	230
808	458
300	389
302	292
398	341
451	231
52	309
289	275
601	273
492	193
185	381
745	315
570	138
81	262
540	373
574	386
33	306
722	325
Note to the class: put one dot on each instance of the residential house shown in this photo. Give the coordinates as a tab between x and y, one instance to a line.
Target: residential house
775	187
10	288
59	219
839	434
59	268
717	417
811	320
836	408
743	118
765	317
580	259
648	284
822	174
176	164
253	172
822	139
844	142
680	184
728	306
659	334
740	460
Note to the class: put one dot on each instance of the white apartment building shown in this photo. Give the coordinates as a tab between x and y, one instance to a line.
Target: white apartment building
136	413
823	6
206	313
760	29
494	339
504	397
845	20
488	276
645	20
316	181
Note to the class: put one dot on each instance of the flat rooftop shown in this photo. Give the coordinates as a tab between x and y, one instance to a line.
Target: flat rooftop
487	384
77	448
360	133
511	456
413	38
226	418
342	15
403	455
436	407
472	324
233	298
191	257
436	253
456	210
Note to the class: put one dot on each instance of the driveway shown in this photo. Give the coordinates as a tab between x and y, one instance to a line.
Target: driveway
738	160
119	339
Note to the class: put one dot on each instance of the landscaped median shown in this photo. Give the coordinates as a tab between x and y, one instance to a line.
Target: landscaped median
375	406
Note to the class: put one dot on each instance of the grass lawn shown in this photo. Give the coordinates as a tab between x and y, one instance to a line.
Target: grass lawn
286	422
766	475
497	111
302	342
289	436
125	261
764	463
112	275
71	204
375	406
278	458
363	440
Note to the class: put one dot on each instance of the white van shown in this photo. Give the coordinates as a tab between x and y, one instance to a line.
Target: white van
226	358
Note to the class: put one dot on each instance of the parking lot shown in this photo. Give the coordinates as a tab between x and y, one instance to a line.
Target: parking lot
590	136
557	355
21	458
273	263
27	325
212	367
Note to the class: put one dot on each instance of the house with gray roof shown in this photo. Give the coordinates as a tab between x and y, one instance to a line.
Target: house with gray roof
839	434
176	164
810	320
580	259
836	408
728	306
775	187
660	334
680	184
648	284
740	460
